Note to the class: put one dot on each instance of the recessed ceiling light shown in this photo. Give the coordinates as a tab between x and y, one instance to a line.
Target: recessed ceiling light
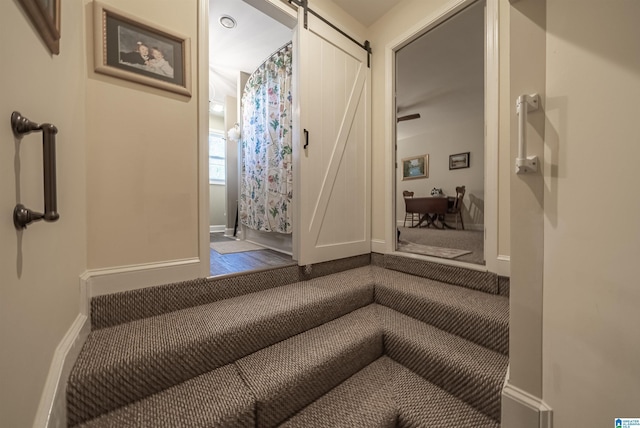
216	107
227	22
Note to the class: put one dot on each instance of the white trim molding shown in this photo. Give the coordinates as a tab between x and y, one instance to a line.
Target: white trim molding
378	246
217	228
52	410
203	137
98	282
523	410
503	265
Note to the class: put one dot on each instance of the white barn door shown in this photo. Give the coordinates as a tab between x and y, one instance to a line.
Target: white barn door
334	170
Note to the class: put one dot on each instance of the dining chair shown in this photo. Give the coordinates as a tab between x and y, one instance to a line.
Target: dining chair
456	209
408	215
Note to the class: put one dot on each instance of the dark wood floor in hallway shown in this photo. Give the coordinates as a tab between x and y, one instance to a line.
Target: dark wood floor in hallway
246	261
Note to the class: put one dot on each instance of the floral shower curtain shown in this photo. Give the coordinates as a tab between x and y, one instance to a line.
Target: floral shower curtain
266	183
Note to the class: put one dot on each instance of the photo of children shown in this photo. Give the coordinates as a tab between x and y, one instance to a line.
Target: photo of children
135	52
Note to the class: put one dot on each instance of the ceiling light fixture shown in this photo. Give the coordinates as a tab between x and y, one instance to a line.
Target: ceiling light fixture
227	22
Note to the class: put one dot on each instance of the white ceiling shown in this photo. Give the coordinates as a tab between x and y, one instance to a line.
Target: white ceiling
441	73
242	48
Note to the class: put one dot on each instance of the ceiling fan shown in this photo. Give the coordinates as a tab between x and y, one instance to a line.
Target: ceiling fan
408	117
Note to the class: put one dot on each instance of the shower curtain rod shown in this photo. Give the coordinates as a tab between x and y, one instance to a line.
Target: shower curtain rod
305	4
273	53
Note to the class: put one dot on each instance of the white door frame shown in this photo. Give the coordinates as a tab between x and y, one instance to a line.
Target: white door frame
494	261
203	138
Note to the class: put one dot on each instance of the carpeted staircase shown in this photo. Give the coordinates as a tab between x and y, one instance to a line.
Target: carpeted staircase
371	341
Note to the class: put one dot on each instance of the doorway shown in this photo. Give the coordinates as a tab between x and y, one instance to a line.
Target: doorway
440	116
241	37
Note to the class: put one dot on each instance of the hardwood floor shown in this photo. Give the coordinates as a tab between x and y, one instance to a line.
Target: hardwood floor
242	262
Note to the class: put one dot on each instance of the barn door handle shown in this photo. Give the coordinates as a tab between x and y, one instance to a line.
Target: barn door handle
306	139
22	216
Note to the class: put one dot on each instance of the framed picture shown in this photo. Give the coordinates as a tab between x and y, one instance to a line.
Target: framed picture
136	50
415	167
45	15
460	160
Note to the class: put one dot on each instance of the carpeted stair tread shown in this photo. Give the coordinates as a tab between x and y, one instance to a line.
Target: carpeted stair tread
365	400
470	278
420	403
290	375
118	308
215	399
480	317
128	362
470	372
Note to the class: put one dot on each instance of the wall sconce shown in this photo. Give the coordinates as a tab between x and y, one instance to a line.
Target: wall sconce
233	134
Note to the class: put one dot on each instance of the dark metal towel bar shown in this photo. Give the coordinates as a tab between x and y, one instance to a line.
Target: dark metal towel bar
22	216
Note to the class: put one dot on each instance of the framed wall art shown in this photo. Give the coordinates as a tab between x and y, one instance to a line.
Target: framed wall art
415	167
460	160
133	49
45	16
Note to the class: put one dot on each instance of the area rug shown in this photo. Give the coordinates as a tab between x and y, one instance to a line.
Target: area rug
427	250
234	247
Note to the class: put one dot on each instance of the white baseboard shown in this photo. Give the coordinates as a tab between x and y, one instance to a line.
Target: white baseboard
99	282
217	228
52	410
523	410
378	246
503	265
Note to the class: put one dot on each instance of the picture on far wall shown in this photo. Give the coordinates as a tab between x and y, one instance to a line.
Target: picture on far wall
460	160
415	167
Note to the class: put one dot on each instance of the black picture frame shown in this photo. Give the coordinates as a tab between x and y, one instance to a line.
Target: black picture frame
45	16
132	49
459	160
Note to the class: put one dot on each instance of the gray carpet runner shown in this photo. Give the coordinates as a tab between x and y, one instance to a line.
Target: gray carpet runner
365	347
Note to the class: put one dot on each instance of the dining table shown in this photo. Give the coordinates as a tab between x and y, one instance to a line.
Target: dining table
432	210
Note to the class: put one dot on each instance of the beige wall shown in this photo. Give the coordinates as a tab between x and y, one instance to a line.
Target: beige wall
591	293
339	17
39	267
142	156
439	144
217	209
217	192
